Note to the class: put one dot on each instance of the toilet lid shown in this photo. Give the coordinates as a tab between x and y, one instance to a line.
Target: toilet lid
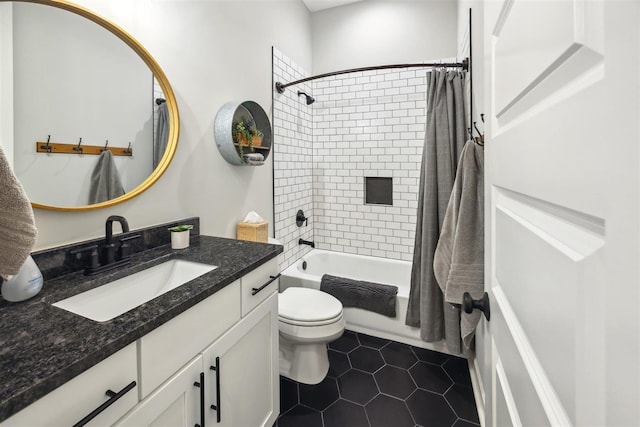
307	305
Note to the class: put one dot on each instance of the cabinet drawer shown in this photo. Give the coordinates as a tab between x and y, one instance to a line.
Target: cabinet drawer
253	292
166	349
71	402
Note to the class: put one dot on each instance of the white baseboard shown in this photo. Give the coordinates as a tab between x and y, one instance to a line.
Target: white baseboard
478	389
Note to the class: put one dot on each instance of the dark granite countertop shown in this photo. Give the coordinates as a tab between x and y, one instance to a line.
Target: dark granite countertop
42	347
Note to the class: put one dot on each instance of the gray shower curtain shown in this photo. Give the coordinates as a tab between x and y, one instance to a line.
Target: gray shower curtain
444	138
162	134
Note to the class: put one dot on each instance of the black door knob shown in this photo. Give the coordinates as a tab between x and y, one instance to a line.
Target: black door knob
482	304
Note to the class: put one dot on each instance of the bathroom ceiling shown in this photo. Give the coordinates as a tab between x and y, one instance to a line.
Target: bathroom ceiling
316	5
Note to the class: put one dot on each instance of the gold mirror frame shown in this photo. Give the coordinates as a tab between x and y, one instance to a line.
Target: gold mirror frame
172	106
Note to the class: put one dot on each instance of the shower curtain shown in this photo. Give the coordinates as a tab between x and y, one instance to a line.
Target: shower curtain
162	134
444	139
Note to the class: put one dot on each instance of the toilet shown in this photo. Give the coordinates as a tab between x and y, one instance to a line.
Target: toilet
308	320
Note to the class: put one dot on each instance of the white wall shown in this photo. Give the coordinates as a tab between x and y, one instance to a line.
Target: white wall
377	32
6	80
73	79
210	57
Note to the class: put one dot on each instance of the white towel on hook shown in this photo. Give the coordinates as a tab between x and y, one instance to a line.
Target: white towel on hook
18	231
458	263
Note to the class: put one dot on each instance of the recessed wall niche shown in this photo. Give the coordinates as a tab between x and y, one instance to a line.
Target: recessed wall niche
378	191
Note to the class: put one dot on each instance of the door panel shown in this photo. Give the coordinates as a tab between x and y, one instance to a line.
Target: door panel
562	193
505	406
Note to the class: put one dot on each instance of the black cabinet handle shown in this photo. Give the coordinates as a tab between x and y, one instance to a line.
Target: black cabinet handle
113	396
216	407
272	278
201	386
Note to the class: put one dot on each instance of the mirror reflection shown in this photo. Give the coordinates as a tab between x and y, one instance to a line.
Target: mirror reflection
72	80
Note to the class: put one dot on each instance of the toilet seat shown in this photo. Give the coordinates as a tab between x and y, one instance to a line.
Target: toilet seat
308	307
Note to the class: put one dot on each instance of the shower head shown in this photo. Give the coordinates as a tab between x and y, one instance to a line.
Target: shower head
310	99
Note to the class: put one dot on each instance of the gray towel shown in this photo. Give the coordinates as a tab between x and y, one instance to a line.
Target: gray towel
370	296
105	180
18	231
458	263
161	137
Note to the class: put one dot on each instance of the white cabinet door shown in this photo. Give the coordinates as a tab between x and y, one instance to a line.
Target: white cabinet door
176	403
246	366
562	193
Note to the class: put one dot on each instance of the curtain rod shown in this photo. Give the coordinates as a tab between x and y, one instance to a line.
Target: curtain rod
464	65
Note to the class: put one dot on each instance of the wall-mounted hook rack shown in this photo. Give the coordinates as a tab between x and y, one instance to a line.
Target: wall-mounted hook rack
62	148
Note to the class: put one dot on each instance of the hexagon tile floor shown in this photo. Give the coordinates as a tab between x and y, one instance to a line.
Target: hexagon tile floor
373	382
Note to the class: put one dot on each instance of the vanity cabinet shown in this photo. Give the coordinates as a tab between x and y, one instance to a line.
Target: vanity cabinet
229	342
70	403
222	352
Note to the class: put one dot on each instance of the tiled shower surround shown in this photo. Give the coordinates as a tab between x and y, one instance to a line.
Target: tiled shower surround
364	124
292	160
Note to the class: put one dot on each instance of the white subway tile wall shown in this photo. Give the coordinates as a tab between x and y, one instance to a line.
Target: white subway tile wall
368	124
364	124
292	160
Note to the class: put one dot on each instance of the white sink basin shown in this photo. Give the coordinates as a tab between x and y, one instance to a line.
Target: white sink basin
112	299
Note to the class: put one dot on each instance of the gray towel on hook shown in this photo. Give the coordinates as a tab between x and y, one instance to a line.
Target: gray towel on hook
458	263
370	296
18	231
105	180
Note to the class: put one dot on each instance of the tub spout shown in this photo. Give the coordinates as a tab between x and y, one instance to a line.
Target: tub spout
306	242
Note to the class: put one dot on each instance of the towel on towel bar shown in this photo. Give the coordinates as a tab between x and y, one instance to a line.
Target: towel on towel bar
105	180
458	263
370	296
17	225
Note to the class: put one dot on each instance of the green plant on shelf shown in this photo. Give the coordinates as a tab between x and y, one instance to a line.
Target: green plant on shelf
244	133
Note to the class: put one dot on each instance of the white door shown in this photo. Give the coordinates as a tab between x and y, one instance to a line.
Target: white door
562	191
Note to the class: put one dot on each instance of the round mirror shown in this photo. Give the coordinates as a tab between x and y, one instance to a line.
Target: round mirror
82	86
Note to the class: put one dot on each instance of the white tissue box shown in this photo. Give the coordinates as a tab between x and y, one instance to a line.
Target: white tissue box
253	232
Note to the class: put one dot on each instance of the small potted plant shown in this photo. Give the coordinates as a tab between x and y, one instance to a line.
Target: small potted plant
246	134
180	236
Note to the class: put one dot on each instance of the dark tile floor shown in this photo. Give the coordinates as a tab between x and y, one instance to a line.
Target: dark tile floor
373	382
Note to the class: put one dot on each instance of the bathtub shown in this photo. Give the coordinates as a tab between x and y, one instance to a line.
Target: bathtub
361	267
